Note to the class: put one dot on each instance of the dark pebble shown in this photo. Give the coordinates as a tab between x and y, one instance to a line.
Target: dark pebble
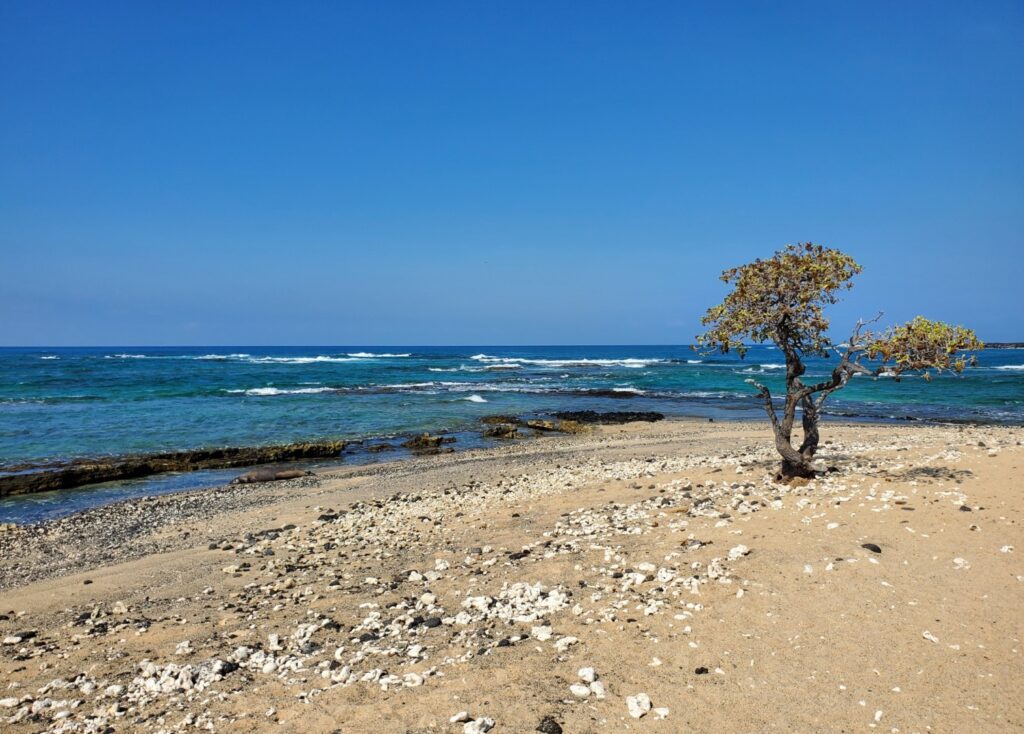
871	547
432	622
965	508
548	725
701	670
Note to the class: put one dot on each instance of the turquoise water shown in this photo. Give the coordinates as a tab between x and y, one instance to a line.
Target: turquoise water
66	403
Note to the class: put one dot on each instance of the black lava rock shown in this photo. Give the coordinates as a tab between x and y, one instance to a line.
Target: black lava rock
871	547
548	725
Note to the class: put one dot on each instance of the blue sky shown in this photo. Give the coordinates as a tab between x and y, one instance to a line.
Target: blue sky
487	173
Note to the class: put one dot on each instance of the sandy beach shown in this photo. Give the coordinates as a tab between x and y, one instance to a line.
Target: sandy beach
646	577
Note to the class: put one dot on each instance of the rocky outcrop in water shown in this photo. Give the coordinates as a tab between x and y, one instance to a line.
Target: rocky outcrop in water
425	443
107	469
501	430
491	420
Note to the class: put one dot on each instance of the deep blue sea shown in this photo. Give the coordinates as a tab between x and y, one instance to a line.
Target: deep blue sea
82	402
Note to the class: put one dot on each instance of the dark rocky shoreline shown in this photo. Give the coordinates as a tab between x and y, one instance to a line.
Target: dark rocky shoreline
94	471
41	477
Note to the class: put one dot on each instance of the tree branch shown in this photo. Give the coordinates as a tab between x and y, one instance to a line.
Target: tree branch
769	406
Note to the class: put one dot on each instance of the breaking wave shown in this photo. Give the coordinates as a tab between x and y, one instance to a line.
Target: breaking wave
631	362
371	355
268	391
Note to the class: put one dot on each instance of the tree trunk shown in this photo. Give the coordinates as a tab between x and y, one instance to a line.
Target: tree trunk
792	470
794	463
809	419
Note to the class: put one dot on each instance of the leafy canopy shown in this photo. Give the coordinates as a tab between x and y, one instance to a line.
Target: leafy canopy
781	299
922	344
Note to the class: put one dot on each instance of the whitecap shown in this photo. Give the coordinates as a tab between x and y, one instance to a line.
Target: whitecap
268	391
371	355
221	357
124	356
50	356
1009	367
475	399
473	387
301	360
630	362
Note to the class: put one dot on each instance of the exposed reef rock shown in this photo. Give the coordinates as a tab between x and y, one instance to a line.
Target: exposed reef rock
501	430
107	469
425	443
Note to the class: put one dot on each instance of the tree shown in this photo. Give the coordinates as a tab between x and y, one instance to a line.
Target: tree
782	300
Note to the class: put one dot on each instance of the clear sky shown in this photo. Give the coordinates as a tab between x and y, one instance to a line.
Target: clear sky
496	173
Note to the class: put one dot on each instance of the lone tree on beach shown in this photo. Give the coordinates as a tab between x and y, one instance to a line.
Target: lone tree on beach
782	300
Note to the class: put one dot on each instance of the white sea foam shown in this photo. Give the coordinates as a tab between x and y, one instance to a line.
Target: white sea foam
632	390
302	360
1010	367
715	394
268	391
631	362
50	356
695	361
443	369
371	355
124	356
221	357
475	399
474	387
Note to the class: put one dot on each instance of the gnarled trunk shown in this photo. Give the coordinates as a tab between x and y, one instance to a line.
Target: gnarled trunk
794	463
809	420
794	470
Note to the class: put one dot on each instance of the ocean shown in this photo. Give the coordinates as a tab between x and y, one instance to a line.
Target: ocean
64	403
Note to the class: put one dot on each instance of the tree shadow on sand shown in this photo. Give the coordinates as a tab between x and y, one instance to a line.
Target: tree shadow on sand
929	474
